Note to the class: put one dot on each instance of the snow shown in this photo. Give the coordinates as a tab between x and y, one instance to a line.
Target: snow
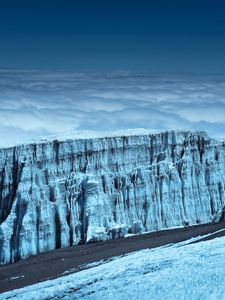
63	136
86	134
16	277
177	271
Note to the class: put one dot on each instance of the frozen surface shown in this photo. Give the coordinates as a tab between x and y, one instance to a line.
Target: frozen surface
64	136
58	193
179	271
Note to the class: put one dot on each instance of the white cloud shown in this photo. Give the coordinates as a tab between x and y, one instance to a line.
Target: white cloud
34	103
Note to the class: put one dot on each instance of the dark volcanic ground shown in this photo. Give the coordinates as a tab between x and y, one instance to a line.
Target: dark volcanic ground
52	264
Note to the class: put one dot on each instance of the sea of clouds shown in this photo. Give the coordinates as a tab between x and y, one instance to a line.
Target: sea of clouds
35	104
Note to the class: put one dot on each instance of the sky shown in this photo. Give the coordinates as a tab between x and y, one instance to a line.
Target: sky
91	65
99	35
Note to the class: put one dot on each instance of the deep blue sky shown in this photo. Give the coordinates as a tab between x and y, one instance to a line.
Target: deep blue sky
106	35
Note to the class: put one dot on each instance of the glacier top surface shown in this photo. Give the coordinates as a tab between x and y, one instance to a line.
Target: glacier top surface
88	134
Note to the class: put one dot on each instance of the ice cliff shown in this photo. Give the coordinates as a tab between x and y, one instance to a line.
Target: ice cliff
60	193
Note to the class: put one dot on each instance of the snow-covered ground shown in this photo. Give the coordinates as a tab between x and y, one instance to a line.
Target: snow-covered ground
91	134
84	134
178	271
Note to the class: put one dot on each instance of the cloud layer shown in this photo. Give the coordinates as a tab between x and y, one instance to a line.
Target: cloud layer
34	103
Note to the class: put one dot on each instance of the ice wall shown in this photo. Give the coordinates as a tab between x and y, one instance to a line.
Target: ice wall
60	193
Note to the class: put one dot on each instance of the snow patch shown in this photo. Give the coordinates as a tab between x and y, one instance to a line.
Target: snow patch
164	273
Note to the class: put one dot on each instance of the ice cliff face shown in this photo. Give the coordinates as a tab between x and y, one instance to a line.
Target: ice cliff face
61	193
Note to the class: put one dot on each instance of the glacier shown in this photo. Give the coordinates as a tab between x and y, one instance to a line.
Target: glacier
58	193
178	271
